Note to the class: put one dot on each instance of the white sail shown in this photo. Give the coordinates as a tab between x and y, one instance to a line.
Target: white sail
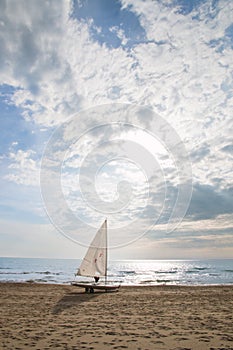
94	263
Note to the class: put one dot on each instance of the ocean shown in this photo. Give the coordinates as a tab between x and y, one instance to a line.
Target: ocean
126	272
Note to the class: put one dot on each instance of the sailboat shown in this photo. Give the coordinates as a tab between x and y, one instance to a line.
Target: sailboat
95	263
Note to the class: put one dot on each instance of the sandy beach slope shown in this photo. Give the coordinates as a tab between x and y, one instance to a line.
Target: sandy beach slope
42	316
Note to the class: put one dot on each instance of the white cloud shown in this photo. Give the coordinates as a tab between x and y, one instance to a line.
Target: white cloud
23	169
206	246
175	72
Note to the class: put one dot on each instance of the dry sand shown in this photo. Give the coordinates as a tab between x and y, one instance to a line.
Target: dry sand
42	316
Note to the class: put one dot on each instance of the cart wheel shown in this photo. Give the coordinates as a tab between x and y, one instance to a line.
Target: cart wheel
86	290
91	290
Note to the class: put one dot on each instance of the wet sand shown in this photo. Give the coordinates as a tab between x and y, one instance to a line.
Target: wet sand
42	316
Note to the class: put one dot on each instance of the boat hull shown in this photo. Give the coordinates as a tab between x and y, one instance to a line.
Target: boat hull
90	287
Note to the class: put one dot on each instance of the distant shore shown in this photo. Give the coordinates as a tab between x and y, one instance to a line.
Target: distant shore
46	316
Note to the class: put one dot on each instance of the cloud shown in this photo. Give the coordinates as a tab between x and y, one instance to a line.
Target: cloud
200	153
31	37
208	203
63	68
28	30
189	246
23	169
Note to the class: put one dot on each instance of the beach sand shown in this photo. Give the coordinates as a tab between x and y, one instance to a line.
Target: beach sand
42	316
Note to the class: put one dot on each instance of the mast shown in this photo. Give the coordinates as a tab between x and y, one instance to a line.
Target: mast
106	253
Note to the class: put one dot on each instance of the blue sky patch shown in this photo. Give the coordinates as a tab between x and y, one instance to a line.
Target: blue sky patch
229	34
18	133
186	7
221	43
108	20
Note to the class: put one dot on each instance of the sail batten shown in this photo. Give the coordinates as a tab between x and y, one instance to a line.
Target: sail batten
94	263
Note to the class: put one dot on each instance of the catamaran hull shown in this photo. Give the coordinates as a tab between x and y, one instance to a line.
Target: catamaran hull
90	287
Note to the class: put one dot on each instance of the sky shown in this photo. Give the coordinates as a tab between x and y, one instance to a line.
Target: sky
117	109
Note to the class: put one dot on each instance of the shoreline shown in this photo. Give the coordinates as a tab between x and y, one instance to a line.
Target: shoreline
57	316
230	284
